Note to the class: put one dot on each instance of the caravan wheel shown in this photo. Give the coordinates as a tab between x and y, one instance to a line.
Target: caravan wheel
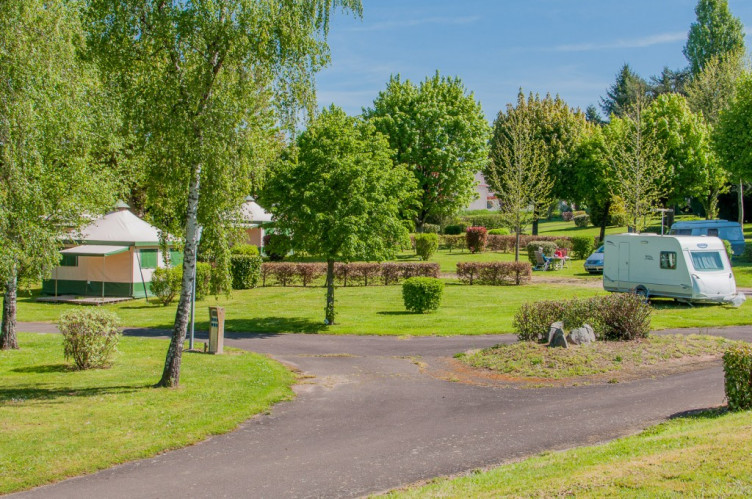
642	292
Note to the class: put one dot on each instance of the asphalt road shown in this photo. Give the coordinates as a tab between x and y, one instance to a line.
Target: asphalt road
376	414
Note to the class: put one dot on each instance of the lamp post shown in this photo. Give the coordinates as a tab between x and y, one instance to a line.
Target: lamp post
663	213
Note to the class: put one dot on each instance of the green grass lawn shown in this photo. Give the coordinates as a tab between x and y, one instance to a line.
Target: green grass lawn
705	455
534	360
378	310
56	423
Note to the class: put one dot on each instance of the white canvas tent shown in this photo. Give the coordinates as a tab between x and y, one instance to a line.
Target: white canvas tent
252	218
115	256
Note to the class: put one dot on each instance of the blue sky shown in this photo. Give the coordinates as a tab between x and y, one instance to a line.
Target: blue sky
570	47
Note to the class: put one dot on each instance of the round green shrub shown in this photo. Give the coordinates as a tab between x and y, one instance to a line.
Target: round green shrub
582	246
498	232
245	249
737	367
431	228
582	220
277	246
90	336
426	245
165	283
454	229
422	294
246	270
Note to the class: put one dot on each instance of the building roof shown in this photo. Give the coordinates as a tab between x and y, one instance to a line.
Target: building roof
95	250
120	227
252	213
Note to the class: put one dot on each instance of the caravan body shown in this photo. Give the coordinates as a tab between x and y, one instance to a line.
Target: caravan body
688	268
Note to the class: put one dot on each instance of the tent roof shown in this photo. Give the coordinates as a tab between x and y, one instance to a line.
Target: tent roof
120	227
251	212
94	250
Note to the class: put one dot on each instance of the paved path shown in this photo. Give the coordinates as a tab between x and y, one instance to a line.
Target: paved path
372	419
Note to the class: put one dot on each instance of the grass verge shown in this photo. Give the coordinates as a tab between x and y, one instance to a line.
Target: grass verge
703	455
532	360
56	423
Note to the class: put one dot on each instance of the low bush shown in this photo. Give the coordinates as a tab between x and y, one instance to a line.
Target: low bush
245	249
245	269
309	272
360	272
346	274
165	284
476	239
729	249
494	273
277	246
426	245
567	216
620	316
283	273
737	367
454	229
582	220
489	221
548	248
564	243
394	272
431	228
498	232
452	242
582	246
422	294
90	337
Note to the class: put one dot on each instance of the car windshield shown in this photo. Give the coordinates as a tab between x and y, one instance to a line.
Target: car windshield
706	260
599	250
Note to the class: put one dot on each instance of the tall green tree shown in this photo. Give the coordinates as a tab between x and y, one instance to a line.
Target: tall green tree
636	164
199	80
518	171
711	91
438	130
628	88
669	82
55	129
691	167
592	182
340	196
716	33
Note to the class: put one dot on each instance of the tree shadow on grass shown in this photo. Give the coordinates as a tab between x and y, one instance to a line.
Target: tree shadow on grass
705	413
397	312
43	369
29	392
269	326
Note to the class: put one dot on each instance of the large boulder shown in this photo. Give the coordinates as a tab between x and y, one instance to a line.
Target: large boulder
582	335
556	326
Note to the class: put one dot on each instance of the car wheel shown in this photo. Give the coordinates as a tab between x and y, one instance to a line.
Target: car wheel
642	292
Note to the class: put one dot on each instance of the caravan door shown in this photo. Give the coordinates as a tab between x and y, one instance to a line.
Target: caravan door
623	275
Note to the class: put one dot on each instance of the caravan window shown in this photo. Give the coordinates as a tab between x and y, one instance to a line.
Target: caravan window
706	260
668	259
682	232
713	232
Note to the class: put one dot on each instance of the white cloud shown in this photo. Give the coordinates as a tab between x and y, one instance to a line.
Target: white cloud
410	23
642	42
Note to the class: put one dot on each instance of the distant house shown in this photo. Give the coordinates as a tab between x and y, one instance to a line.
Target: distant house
252	219
486	199
115	256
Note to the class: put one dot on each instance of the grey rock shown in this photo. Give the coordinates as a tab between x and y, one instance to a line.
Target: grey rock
558	340
556	326
582	335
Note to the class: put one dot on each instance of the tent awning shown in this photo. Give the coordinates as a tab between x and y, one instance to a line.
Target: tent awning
95	250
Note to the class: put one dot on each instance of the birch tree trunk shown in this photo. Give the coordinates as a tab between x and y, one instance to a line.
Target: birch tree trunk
8	339
171	373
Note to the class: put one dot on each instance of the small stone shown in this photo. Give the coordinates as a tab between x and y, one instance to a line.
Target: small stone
582	335
556	326
558	340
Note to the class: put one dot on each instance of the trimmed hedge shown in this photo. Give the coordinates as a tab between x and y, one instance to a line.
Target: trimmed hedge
245	249
454	229
246	270
548	248
619	316
476	239
347	274
494	273
737	368
431	228
582	246
422	294
498	232
490	221
452	242
426	245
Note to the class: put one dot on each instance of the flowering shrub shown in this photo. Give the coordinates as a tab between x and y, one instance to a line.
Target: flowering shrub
90	336
476	239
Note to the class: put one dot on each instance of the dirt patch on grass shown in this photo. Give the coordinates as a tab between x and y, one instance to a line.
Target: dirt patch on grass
527	364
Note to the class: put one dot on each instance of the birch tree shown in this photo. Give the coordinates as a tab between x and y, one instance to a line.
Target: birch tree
205	84
56	126
518	169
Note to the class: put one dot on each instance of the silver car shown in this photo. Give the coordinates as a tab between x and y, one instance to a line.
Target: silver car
594	263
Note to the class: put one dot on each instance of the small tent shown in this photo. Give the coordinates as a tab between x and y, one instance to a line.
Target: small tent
252	219
115	257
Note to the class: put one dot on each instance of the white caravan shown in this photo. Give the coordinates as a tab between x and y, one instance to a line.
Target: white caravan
688	268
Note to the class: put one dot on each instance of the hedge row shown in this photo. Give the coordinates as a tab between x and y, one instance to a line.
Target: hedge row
494	273
620	316
737	366
347	274
505	244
